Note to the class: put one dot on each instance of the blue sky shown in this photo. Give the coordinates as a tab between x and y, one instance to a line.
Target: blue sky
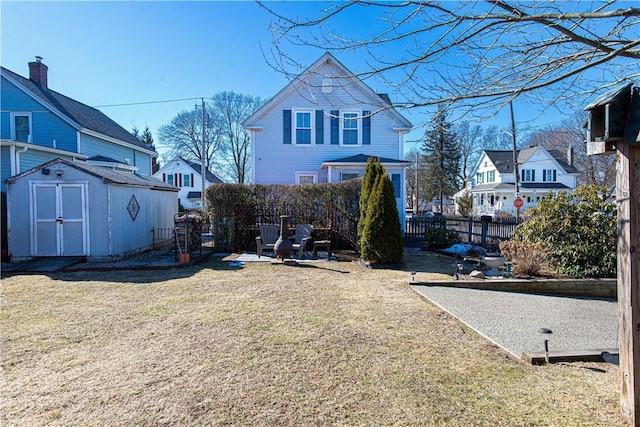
106	53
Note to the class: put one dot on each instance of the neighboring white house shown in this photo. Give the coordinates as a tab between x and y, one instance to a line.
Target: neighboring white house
540	171
322	127
186	175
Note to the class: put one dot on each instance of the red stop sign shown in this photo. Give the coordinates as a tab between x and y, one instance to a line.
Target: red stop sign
518	203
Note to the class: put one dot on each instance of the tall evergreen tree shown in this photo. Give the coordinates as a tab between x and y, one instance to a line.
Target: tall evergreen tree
371	172
442	156
382	240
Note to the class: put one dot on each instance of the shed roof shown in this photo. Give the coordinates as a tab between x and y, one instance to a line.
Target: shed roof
108	176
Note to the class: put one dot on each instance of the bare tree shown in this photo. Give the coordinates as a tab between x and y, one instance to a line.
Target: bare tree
229	110
469	139
183	137
477	55
416	176
599	170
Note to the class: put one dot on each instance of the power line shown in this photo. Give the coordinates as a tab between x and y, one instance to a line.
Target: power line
148	102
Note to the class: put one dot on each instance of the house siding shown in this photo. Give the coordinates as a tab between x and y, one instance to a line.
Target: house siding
92	146
277	163
180	167
48	130
32	158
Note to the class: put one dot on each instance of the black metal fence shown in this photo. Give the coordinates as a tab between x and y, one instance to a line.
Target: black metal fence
484	231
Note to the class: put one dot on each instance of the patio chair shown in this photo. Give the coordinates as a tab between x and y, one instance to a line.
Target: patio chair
302	236
269	234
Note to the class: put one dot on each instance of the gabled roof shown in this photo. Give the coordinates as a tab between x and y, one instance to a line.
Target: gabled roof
198	168
108	176
381	100
503	159
81	115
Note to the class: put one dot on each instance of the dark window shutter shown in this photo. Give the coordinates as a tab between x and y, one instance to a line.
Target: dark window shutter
192	180
335	127
554	175
533	175
319	127
366	128
164	177
544	175
286	126
522	178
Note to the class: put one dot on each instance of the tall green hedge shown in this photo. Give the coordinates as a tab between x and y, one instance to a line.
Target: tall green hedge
250	205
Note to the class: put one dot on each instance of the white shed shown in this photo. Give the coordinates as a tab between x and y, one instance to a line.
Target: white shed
64	208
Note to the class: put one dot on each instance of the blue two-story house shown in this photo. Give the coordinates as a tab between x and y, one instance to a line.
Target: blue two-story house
39	125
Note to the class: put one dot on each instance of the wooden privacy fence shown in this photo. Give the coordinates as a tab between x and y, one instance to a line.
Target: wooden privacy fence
483	231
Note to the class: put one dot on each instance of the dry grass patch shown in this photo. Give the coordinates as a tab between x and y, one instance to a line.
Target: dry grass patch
329	343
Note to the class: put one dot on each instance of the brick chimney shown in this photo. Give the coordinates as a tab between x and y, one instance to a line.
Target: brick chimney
38	72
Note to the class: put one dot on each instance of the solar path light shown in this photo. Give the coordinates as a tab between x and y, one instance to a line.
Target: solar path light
545	331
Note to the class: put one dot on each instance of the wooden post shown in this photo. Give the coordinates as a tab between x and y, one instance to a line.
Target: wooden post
628	199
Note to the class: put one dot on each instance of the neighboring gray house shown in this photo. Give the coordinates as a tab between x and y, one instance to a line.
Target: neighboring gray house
64	208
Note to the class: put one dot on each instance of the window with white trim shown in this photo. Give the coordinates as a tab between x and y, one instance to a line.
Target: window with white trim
170	179
491	176
345	176
350	128
549	175
306	178
21	127
186	180
302	132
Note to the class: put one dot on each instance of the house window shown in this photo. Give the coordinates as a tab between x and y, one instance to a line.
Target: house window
549	175
303	134
306	177
350	129
347	176
480	178
21	127
395	179
528	175
186	181
491	176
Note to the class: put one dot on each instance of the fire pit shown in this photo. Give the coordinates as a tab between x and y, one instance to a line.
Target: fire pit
283	246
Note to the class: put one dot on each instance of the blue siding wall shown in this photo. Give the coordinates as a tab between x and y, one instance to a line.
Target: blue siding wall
5	166
46	126
30	159
92	146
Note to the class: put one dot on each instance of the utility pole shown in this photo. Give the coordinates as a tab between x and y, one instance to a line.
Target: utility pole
515	158
416	201
203	166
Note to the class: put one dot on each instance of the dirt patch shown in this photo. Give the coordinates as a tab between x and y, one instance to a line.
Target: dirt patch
262	344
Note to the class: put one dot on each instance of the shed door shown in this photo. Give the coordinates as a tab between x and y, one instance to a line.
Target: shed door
59	219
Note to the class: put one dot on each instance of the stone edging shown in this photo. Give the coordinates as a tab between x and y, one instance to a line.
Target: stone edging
598	288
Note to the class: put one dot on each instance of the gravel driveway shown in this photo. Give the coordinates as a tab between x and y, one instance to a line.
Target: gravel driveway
512	319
